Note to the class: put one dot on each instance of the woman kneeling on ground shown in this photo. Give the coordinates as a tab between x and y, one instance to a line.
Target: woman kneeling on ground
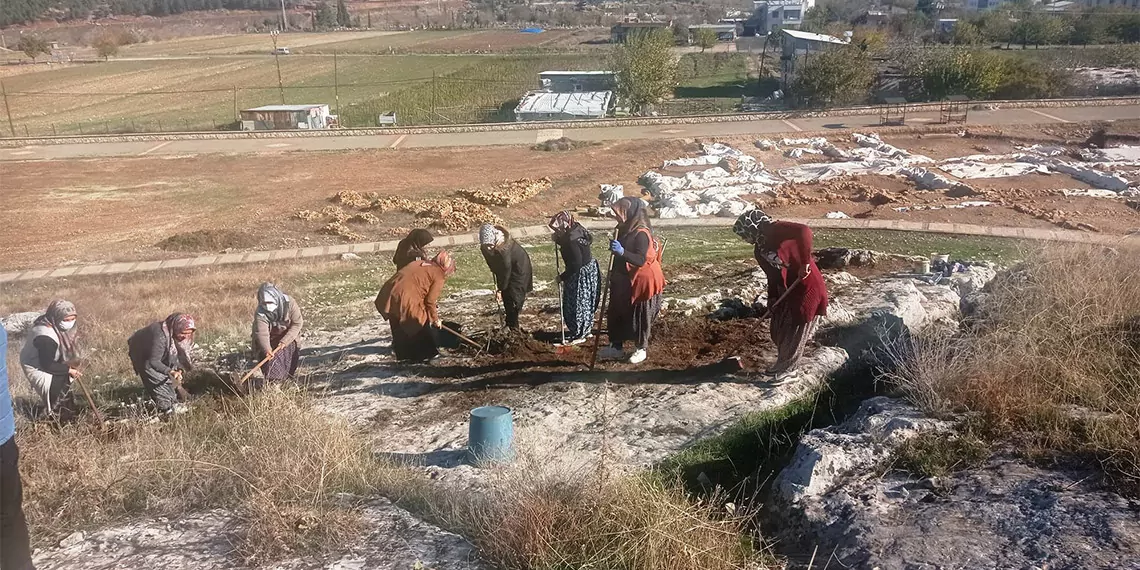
50	358
160	354
277	324
411	248
510	264
636	281
783	251
408	302
580	282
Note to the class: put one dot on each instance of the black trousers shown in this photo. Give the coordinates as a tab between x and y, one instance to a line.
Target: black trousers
15	550
512	306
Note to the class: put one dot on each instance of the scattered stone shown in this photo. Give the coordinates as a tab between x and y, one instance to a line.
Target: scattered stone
508	193
840	257
349	257
341	230
352	199
73	539
364	218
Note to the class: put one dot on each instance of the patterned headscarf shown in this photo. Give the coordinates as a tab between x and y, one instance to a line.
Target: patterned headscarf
178	323
444	260
490	235
561	222
58	310
631	214
270	291
751	224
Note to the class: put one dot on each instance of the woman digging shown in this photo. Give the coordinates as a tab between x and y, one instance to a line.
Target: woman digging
408	301
277	324
50	358
636	281
411	248
783	251
580	280
510	264
160	354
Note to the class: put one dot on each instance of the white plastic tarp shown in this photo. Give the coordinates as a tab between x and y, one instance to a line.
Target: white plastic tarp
927	180
827	171
1126	154
970	170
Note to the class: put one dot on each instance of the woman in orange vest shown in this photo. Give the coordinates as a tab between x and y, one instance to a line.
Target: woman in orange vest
636	281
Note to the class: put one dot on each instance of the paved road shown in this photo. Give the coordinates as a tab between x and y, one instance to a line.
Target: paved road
528	137
535	231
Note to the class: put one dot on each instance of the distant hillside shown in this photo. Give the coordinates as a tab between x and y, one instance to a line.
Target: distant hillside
26	11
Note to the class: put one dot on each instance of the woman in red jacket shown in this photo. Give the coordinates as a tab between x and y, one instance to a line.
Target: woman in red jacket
636	282
783	250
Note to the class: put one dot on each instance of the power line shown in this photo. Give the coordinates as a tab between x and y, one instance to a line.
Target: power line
423	80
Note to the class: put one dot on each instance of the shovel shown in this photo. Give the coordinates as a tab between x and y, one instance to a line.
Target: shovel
91	401
241	382
460	336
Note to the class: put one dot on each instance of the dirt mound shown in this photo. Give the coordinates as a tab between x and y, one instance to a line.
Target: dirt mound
364	218
684	342
508	193
208	240
517	345
352	199
341	230
561	145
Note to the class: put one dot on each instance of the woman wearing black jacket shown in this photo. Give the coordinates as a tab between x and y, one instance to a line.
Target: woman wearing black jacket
580	282
510	264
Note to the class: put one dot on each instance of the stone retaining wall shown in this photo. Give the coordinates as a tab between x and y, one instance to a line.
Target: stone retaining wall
534	126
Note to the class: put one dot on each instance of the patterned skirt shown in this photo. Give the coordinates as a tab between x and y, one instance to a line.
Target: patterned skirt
580	300
284	363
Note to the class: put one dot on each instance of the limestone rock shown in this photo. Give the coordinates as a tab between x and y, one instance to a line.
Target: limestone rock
17	324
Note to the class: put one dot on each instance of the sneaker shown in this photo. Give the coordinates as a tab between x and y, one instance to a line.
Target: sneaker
638	356
611	353
576	341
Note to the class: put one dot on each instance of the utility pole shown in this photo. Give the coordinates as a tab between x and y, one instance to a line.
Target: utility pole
336	86
277	60
284	18
7	109
237	116
433	96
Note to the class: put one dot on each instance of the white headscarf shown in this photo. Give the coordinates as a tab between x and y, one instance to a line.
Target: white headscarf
490	235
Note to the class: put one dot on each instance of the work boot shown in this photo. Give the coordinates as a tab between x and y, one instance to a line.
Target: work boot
638	356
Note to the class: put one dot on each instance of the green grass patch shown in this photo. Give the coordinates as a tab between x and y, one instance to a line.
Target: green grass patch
939	454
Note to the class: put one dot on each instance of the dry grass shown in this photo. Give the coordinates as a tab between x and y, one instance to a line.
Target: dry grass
1053	361
271	459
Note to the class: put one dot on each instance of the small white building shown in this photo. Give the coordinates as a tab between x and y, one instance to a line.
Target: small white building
773	15
981	5
552	106
287	117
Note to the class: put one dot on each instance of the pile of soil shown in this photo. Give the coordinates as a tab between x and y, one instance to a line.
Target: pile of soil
561	145
687	342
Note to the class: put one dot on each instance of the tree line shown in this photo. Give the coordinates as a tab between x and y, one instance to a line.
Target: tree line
25	11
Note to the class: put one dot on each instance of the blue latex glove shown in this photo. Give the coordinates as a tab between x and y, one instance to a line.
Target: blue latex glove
615	246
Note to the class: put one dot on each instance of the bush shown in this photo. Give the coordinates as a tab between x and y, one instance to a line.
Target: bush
833	77
1026	79
956	71
939	454
1054	359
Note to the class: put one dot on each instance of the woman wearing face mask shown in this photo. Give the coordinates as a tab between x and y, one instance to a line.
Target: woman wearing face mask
50	358
636	281
160	353
510	264
277	325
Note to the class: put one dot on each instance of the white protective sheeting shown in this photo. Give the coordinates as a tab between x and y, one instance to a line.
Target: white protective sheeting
971	170
928	180
713	191
827	171
880	149
958	206
836	216
1127	154
1084	173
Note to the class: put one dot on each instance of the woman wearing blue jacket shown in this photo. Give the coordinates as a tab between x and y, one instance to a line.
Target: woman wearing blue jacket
15	552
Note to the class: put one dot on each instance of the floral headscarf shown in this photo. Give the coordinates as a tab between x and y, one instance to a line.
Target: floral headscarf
490	235
561	222
751	224
58	310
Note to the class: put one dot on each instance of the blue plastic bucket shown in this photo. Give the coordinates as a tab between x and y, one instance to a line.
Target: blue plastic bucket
490	435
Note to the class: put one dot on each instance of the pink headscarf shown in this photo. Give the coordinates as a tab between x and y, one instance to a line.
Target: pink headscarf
444	260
